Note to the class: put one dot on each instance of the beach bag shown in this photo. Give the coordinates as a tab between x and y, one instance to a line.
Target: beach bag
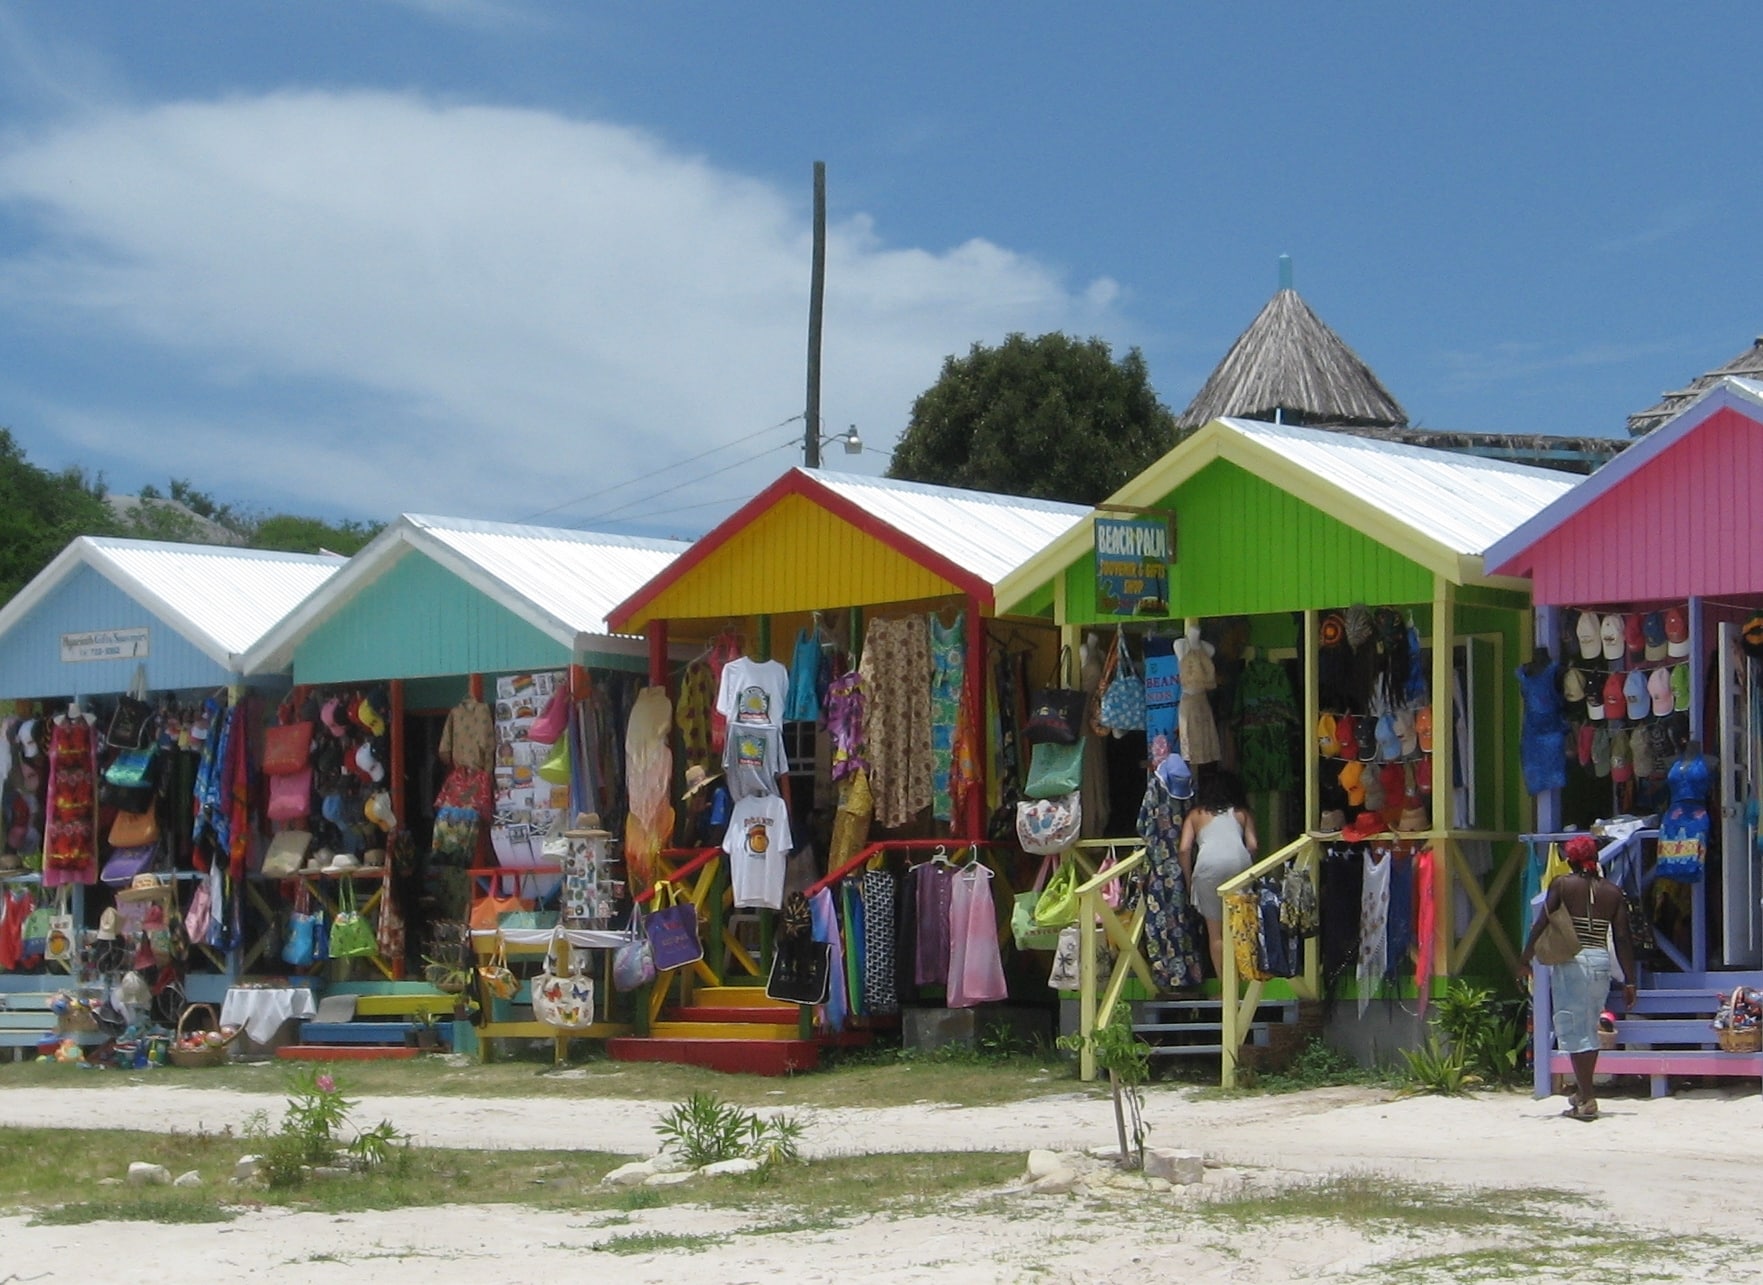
1028	934
352	936
286	748
801	971
555	768
1123	699
285	855
633	964
33	938
1065	974
1559	941
563	1000
125	863
134	829
488	913
131	782
131	724
197	917
671	929
1056	713
300	947
290	795
1054	769
499	979
1058	903
1243	912
551	724
61	943
1049	825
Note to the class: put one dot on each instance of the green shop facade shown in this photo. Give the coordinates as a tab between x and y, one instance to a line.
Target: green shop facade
1318	553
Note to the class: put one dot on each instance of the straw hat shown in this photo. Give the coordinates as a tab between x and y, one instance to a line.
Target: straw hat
146	887
697	778
587	826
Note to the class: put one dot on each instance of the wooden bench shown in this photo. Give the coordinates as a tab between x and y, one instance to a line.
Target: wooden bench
1670	1031
27	1022
387	1015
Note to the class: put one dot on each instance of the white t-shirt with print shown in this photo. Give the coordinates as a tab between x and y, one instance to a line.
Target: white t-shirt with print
758	845
753	691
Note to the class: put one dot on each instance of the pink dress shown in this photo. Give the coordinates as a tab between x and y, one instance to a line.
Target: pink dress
976	971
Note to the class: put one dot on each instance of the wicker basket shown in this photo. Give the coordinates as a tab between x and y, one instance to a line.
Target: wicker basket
209	1054
1748	1039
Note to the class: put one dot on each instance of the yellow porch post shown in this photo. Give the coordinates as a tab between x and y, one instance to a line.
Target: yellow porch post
1444	754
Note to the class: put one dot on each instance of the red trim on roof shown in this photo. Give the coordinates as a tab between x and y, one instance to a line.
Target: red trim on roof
800	482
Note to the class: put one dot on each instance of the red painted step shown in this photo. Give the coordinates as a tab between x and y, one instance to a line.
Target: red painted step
346	1052
707	1013
737	1057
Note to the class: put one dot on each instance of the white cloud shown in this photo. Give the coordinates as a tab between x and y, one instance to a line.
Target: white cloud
468	309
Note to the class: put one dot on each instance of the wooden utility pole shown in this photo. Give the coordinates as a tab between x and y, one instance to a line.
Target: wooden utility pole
816	297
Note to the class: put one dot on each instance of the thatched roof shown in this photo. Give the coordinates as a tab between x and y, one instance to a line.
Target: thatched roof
1289	366
1747	365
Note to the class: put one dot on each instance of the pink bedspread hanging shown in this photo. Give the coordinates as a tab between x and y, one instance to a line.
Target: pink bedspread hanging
649	779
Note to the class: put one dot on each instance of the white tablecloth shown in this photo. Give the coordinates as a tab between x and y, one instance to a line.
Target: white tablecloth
587	938
261	1012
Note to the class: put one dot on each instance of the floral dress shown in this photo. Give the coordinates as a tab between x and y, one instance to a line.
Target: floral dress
70	835
948	662
1170	945
896	671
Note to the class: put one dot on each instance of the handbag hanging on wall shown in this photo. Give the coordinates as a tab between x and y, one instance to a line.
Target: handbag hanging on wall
1123	699
801	971
672	929
1054	769
131	725
1056	713
563	1000
352	936
286	748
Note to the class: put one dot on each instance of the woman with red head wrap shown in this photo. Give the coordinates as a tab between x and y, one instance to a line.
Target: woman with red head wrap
1579	988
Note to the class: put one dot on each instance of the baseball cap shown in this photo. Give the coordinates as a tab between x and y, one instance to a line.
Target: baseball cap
1353	782
1659	690
1389	741
1573	684
1615	698
1653	627
1583	744
1423	776
1601	751
1423	724
1677	633
1346	734
1751	635
1680	686
1621	765
1372	782
1404	719
1612	632
1640	749
27	738
1326	744
1634	692
1634	634
1594	698
1586	630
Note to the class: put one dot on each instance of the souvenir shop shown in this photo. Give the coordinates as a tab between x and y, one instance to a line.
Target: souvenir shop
130	803
1644	698
457	706
850	690
1278	593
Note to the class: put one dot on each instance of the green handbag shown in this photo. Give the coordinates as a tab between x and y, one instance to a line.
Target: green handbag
1054	770
1058	904
352	937
555	768
1028	934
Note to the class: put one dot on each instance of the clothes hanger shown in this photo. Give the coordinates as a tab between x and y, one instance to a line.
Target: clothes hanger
940	856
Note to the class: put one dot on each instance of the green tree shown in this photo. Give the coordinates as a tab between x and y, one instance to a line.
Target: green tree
1052	417
40	512
292	534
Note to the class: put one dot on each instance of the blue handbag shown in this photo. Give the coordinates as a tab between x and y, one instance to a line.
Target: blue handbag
1123	699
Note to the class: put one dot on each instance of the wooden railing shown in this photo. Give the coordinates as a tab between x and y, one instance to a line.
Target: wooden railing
1093	1006
1237	1011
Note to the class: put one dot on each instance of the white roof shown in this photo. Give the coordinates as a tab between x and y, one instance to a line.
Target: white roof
563	582
221	599
1463	502
989	535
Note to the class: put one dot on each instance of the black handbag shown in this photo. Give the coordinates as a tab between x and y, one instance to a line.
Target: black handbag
1056	714
801	971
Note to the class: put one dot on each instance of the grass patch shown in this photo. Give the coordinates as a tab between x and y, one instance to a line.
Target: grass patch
156	1208
1375	1202
1609	1259
649	1242
866	1078
55	1171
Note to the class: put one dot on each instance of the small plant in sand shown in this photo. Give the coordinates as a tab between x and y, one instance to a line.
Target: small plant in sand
704	1130
1127	1059
311	1132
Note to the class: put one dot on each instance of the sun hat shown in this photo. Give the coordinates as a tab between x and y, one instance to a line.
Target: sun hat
1176	775
587	826
1677	633
697	778
1615	697
1659	690
1364	826
1634	694
343	861
145	887
1612	631
1621	764
1586	630
1653	629
1680	686
374	858
1332	820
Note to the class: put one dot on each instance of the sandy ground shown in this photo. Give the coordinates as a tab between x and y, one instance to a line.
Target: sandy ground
1686	1165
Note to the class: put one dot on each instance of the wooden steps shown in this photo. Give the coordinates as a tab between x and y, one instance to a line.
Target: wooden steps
735	1029
1670	1031
734	1056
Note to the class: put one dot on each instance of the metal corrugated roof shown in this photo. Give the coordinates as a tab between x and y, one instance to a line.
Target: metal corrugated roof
573	576
221	599
989	535
562	582
1462	502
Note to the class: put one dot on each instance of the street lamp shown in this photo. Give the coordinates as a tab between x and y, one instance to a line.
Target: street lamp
811	447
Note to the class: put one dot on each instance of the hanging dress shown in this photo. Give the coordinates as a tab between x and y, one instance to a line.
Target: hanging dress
1542	738
1424	912
976	970
844	725
70	828
896	672
1170	945
697	696
948	657
1266	713
1199	734
931	885
824	916
878	942
1374	913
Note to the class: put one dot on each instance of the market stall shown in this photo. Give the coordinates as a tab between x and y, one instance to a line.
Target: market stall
129	820
1312	622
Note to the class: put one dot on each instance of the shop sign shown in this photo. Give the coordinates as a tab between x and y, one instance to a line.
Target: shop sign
1132	565
105	644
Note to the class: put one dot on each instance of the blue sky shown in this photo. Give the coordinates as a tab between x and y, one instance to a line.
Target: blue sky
503	258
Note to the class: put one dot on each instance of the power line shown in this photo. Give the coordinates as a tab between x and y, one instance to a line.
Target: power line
691	481
665	468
